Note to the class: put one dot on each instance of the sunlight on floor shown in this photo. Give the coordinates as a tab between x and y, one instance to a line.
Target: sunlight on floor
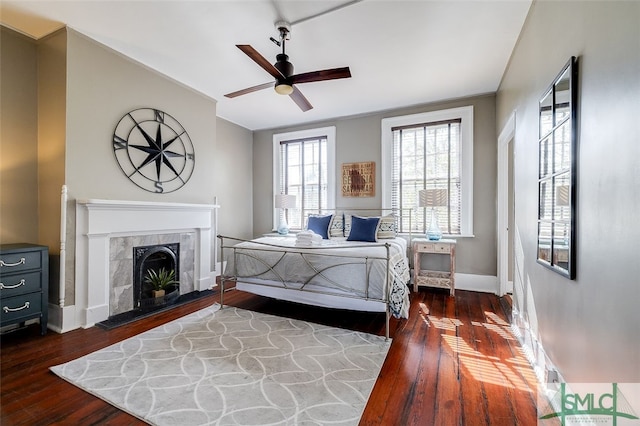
512	372
496	319
503	331
424	313
448	324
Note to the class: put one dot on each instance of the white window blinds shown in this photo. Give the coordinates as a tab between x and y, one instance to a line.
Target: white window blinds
427	156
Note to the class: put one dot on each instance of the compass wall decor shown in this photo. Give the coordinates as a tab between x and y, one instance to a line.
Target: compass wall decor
153	150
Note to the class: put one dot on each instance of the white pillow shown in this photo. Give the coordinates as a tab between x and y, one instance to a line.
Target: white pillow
336	227
387	227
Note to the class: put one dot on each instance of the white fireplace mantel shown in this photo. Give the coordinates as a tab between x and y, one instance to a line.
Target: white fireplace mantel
97	221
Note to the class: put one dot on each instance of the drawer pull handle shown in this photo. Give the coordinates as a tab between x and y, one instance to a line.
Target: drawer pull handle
21	262
8	287
7	309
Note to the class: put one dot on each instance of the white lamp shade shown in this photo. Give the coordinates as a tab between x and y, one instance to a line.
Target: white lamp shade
433	197
285	201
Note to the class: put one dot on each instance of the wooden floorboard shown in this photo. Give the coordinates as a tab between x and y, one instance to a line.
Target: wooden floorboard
422	405
475	410
453	362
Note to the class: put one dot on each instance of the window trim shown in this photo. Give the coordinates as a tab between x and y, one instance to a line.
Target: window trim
466	164
330	134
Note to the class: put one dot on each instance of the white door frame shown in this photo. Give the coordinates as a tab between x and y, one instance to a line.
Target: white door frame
502	226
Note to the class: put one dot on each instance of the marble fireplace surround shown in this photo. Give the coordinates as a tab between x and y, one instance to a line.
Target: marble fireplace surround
122	270
98	222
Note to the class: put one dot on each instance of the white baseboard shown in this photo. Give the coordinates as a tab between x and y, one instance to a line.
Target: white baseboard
95	314
546	373
510	287
205	283
62	320
474	282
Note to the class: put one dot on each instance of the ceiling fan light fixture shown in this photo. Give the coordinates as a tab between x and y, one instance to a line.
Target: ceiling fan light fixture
284	89
282	71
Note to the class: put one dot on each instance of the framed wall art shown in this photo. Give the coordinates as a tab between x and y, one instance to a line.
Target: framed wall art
359	179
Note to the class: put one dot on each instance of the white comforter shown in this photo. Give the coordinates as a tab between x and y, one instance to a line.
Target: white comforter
334	266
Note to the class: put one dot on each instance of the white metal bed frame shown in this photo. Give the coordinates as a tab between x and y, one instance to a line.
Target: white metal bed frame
230	243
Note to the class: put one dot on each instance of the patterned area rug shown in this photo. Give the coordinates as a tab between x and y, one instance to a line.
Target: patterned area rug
235	367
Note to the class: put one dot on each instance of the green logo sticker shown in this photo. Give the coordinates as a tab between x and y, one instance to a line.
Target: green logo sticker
601	407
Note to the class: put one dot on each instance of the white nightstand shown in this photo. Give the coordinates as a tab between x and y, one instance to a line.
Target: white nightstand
429	278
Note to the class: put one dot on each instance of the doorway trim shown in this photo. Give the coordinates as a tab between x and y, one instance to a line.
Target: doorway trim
502	218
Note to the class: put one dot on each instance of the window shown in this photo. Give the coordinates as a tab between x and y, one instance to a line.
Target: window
304	166
430	151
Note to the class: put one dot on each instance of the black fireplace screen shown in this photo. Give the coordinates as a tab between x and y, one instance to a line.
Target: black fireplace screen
154	258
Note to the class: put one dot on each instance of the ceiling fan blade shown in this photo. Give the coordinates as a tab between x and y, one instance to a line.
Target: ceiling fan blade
330	74
300	100
260	60
249	90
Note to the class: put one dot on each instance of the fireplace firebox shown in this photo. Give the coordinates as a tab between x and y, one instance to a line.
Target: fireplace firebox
154	258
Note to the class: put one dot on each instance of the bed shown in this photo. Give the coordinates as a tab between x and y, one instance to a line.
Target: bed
344	269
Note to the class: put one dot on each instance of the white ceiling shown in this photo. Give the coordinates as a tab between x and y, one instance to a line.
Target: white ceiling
400	53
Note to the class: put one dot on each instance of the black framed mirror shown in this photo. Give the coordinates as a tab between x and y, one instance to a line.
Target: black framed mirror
557	172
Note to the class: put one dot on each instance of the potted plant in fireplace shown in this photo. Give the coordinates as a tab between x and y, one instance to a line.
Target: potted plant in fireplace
160	280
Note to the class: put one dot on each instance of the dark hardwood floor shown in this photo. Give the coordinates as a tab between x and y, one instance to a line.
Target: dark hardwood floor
453	362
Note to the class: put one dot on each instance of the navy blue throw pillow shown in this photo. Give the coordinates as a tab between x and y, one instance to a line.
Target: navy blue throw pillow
363	229
320	225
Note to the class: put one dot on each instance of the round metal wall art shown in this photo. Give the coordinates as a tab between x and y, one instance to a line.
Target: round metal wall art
153	150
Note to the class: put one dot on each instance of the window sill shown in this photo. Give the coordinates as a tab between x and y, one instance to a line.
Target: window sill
445	236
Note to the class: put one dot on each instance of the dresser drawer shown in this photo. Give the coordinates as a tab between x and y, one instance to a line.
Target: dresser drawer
17	262
15	284
16	308
24	284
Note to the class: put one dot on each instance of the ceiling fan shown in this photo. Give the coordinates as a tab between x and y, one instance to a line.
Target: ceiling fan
282	71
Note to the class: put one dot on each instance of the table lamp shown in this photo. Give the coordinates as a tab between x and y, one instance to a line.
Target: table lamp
433	198
284	202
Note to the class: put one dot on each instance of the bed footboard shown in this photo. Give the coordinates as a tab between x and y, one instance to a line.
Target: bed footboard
367	276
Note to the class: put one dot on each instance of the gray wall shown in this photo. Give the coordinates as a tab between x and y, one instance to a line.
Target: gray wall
359	138
18	139
590	327
234	170
102	86
76	91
